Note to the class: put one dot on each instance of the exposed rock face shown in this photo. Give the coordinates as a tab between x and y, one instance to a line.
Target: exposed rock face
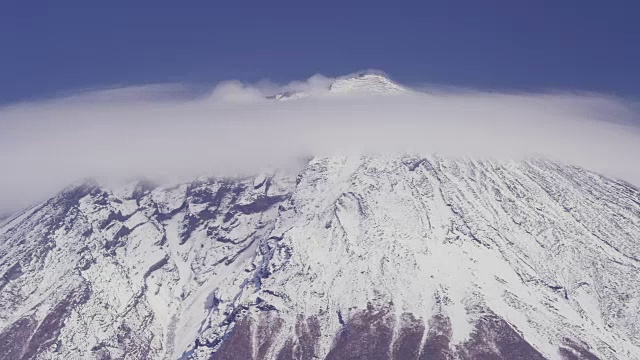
367	335
400	257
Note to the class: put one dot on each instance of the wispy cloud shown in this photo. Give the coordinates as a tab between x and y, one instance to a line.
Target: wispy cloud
173	132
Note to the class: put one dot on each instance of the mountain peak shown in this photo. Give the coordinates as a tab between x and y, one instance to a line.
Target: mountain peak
363	83
366	83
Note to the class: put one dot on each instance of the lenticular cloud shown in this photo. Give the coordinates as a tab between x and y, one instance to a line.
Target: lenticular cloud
173	132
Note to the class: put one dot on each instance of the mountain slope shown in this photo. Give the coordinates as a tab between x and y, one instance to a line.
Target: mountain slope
401	257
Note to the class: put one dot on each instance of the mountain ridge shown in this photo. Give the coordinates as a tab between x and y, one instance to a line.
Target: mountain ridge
390	257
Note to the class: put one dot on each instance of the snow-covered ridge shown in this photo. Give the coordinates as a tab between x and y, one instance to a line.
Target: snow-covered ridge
389	257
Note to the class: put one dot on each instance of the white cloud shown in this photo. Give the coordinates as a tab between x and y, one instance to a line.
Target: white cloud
167	132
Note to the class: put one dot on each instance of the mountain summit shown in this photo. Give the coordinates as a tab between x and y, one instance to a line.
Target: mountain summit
366	83
361	84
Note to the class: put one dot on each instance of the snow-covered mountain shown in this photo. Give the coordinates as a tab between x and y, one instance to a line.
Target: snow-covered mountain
366	83
361	84
371	257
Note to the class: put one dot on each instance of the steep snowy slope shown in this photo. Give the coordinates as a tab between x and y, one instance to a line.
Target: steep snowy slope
399	257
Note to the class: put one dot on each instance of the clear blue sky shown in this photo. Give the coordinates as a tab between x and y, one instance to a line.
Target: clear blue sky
523	45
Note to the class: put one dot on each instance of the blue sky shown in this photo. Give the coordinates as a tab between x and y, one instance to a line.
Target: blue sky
502	45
